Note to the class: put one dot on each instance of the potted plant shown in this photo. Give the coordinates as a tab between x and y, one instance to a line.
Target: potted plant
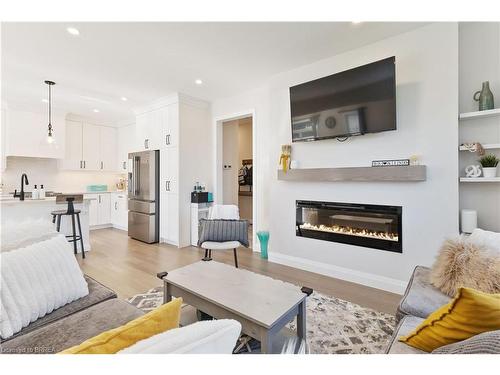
489	163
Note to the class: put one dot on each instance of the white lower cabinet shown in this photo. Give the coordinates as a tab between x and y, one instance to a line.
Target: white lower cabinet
169	218
99	209
119	211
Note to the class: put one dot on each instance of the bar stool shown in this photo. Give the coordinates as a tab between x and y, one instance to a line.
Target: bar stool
70	211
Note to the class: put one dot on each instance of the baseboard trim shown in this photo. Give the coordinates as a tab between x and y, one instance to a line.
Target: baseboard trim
347	274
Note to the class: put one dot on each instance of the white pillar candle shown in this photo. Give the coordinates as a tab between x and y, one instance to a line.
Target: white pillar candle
468	220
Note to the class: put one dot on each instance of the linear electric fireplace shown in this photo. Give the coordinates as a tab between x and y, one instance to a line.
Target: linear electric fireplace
367	225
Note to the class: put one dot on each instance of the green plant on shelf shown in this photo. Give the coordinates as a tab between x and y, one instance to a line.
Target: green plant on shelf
489	161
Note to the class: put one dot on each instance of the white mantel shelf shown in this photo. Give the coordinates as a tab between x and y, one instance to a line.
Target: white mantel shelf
479	114
411	173
479	179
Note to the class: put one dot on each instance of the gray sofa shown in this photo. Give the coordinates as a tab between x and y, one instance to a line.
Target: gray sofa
73	323
419	300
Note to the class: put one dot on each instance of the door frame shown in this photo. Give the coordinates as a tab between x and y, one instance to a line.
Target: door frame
218	165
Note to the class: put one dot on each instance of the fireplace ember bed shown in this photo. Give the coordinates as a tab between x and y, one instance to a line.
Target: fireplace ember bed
367	225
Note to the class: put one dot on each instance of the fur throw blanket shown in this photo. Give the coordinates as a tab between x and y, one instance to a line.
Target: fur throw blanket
461	263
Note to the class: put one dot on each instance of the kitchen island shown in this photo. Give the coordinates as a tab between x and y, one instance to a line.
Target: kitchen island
15	210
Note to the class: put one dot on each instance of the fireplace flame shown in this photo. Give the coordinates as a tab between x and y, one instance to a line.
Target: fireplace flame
351	231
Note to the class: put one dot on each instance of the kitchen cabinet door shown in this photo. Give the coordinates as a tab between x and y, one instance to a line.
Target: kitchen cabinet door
93	209
141	132
107	147
73	155
104	209
171	125
126	137
169	168
91	147
119	211
169	218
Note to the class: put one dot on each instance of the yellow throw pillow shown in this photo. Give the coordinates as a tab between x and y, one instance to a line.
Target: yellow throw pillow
470	313
157	321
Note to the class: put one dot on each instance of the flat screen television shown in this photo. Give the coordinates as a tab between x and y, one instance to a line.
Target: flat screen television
354	102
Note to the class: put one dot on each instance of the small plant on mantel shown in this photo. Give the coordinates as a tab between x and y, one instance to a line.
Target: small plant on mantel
489	163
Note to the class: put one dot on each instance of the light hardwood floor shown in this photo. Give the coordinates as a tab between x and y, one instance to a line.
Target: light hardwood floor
129	267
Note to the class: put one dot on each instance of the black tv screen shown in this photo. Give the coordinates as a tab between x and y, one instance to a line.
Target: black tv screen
354	102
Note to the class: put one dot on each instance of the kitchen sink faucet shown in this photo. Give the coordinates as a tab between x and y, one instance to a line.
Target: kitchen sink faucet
24	180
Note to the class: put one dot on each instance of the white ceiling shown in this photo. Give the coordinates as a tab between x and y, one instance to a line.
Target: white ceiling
145	61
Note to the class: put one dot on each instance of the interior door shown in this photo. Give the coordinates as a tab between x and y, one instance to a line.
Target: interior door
91	147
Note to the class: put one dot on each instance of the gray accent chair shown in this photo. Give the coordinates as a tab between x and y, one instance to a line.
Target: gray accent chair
73	323
419	300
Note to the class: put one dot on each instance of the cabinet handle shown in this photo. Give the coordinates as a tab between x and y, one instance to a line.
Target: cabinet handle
167	139
84	164
116	208
124	165
102	165
81	164
99	199
146	143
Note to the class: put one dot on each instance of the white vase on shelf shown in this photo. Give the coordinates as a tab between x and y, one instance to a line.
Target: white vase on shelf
489	172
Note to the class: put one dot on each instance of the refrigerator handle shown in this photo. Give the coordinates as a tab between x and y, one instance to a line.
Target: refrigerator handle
136	173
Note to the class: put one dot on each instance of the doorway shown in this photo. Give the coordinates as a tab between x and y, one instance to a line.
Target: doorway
237	167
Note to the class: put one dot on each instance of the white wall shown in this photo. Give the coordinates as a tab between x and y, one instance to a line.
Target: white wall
479	61
46	172
427	91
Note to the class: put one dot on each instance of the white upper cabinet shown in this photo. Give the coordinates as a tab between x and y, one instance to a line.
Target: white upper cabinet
149	131
91	147
126	144
73	155
26	135
108	138
170	125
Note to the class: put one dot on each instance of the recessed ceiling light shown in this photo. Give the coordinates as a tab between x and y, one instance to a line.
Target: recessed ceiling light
45	100
356	22
96	110
73	31
198	82
124	98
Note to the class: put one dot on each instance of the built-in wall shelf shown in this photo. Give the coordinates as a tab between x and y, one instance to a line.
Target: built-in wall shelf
361	174
486	146
479	179
479	114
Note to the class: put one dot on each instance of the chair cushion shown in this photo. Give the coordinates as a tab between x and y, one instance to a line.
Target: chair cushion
97	293
485	343
157	321
221	230
220	245
205	337
421	298
74	329
406	325
470	313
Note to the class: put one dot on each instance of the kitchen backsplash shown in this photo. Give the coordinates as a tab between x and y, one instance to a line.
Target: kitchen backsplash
46	172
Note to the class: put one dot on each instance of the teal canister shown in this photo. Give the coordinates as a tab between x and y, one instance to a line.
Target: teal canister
484	97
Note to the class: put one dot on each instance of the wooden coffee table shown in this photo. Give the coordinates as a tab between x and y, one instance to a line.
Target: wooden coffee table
261	304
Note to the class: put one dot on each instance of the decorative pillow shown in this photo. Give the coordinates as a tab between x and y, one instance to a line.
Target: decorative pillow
221	230
159	320
470	313
17	234
37	280
461	263
490	240
205	337
485	343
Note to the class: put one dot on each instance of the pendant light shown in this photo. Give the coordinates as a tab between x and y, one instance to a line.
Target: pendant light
50	135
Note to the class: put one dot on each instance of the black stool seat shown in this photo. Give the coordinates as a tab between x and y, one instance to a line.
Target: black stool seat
64	212
70	211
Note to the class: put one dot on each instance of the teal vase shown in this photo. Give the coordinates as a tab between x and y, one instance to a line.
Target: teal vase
485	97
263	236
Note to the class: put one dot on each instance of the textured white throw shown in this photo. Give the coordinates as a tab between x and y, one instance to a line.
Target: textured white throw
35	280
224	211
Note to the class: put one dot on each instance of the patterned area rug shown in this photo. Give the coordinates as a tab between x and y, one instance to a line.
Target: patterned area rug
334	326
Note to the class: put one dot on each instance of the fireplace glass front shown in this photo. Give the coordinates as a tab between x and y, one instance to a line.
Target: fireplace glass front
373	226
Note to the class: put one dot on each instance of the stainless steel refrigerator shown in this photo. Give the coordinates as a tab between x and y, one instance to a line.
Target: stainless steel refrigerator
143	196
